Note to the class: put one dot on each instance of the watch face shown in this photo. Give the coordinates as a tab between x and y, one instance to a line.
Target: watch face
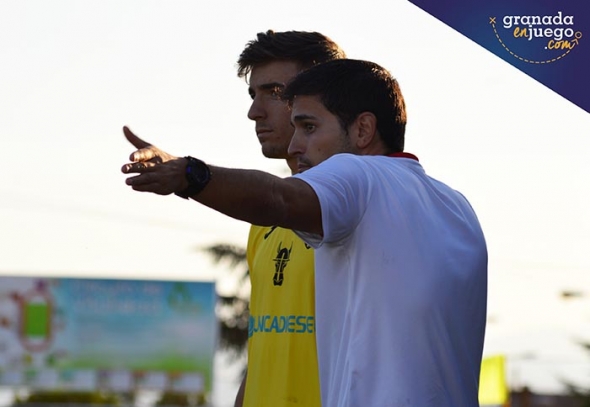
197	172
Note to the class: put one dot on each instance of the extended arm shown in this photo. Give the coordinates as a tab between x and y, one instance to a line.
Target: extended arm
263	199
252	196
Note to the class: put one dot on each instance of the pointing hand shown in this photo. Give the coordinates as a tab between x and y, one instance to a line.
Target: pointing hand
159	172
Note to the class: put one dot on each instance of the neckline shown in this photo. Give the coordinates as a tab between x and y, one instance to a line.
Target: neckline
403	155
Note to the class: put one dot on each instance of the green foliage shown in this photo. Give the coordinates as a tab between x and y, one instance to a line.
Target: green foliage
232	311
73	397
181	399
64	398
226	252
582	394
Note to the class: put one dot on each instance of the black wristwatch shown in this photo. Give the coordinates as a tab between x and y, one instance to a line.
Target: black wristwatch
197	174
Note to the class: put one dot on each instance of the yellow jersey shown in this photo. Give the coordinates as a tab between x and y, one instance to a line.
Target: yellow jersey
282	359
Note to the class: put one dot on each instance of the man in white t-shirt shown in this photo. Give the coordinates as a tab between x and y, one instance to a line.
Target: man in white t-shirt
401	261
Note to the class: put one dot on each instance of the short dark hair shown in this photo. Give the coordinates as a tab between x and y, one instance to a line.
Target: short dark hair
303	47
349	87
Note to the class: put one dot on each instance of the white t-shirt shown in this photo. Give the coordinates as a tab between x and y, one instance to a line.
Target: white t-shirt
401	286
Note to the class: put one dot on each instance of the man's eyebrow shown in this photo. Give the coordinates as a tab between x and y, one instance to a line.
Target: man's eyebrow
272	85
267	86
302	117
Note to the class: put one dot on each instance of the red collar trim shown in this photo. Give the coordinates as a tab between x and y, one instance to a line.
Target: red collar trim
403	155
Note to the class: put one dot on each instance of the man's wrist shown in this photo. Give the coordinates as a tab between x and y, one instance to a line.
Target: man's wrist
197	175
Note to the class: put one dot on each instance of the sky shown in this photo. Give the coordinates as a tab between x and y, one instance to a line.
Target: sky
74	73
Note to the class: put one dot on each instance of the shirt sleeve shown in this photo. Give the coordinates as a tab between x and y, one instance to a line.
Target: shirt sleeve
343	187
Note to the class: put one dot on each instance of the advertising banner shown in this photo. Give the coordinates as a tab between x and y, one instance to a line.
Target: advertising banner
116	335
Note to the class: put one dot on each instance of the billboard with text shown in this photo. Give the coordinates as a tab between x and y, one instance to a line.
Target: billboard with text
100	334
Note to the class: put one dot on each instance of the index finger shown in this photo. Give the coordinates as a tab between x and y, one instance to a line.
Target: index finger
133	139
143	152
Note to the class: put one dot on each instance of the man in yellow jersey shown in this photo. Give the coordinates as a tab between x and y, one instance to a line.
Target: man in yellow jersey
282	360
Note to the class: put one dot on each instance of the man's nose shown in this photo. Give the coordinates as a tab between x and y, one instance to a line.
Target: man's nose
256	110
297	145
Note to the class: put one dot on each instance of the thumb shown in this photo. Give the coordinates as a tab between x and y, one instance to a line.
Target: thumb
133	139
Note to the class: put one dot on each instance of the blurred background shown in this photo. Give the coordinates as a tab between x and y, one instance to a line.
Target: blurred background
73	73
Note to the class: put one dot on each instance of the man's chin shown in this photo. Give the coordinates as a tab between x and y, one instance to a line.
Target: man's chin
275	153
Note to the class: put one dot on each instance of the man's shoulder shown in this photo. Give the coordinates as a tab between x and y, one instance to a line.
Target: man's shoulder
344	159
344	163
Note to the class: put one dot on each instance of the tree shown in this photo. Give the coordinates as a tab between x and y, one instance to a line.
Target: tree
582	394
232	311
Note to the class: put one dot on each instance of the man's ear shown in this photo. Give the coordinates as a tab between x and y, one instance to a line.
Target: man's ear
366	124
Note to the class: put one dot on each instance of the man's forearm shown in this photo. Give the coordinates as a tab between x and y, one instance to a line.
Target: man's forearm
262	199
252	196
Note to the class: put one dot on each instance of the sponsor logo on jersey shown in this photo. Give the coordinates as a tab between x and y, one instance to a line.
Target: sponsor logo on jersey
281	324
283	257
